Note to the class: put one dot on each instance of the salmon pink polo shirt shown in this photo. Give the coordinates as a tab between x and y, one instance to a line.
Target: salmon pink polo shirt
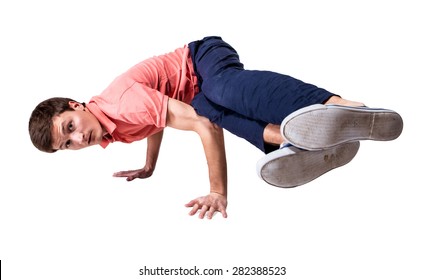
134	105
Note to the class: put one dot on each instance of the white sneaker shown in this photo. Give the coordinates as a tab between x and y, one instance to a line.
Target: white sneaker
290	166
319	126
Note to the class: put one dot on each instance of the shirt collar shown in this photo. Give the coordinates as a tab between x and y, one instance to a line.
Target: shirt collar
104	121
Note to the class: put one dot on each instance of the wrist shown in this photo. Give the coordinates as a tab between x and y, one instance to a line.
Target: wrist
149	167
219	192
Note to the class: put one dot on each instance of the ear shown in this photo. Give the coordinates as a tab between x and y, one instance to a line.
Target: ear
76	106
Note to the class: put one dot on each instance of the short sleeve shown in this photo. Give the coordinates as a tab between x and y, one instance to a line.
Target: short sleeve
134	103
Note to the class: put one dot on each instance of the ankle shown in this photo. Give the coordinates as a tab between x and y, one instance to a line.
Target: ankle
272	135
336	100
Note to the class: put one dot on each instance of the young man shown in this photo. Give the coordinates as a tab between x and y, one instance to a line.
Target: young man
203	87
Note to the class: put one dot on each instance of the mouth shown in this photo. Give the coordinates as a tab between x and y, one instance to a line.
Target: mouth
89	138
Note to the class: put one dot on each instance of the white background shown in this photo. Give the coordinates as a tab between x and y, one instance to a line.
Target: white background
64	216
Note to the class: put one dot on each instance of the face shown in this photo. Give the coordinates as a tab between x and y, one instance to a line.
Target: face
76	129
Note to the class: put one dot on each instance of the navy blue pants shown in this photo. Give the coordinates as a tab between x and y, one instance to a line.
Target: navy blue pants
245	101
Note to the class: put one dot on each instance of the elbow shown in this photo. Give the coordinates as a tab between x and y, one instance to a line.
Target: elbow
205	126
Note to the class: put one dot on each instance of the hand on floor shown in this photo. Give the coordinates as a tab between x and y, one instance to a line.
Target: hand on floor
208	204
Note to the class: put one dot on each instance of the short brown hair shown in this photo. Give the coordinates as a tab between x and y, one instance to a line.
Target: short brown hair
41	121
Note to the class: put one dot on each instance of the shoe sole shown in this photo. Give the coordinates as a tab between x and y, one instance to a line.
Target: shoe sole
323	126
286	168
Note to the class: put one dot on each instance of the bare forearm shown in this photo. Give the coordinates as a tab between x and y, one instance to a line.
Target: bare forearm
182	116
153	148
214	148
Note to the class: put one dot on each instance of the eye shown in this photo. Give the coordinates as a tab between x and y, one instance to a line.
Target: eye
70	126
67	144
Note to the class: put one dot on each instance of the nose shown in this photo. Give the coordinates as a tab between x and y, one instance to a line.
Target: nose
77	137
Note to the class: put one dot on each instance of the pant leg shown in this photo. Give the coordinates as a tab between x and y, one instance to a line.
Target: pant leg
211	56
259	95
262	95
248	129
210	67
